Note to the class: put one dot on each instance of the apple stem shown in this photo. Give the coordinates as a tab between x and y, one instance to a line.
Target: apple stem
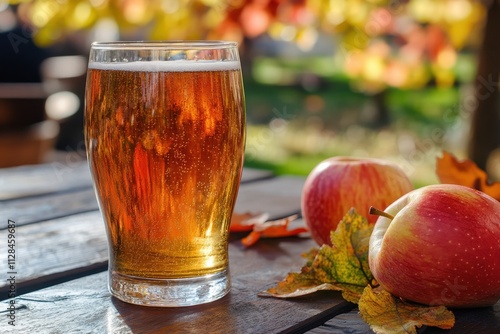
377	212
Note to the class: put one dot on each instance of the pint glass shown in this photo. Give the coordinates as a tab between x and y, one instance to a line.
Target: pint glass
165	134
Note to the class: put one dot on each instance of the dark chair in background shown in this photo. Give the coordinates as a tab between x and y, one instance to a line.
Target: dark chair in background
26	135
38	117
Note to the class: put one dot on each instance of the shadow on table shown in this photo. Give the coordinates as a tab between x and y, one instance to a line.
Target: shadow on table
140	319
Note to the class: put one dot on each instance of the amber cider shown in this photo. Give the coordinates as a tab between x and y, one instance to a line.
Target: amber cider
165	142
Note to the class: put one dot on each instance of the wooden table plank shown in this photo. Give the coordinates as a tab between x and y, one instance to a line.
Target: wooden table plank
251	175
36	180
49	251
84	305
33	180
345	323
36	209
73	244
278	197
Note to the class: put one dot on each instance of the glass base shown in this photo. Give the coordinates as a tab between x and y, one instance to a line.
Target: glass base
169	292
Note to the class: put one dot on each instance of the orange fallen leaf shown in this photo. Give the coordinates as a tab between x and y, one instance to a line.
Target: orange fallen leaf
465	173
272	229
244	222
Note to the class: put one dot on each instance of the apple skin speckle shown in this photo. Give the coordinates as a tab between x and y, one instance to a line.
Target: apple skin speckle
339	183
430	255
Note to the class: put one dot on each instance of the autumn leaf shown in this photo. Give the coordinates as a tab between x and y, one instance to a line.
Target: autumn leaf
310	255
465	173
388	314
244	222
298	284
342	266
350	249
259	227
272	229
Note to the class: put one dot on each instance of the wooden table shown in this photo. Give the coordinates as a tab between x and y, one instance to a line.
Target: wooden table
60	266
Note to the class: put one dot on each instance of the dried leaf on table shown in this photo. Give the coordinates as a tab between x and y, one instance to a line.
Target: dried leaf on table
296	285
244	222
272	229
388	314
342	266
465	173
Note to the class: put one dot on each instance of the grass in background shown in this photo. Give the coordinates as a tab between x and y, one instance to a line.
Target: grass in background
309	116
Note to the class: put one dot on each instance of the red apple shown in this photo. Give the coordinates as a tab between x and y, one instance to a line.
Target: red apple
341	183
439	245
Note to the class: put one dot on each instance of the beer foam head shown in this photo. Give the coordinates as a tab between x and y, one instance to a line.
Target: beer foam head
168	66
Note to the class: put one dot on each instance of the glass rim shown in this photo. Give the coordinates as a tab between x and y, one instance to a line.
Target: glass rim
165	45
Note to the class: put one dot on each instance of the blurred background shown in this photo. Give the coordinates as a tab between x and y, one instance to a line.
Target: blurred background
395	79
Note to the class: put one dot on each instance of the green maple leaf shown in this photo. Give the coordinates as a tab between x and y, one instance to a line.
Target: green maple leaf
388	314
342	266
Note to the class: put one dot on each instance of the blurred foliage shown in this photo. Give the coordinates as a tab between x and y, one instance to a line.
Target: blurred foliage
293	129
409	45
303	110
383	43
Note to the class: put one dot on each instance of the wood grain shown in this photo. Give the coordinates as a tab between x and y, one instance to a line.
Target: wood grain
251	175
69	174
277	196
36	209
55	249
85	306
33	180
